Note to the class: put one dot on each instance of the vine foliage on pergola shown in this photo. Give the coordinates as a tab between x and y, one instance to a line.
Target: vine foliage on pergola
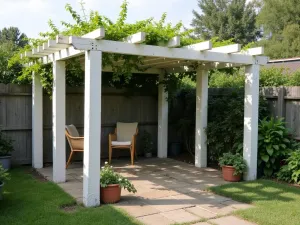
158	33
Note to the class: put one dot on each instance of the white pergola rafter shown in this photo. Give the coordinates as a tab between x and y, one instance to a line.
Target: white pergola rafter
167	57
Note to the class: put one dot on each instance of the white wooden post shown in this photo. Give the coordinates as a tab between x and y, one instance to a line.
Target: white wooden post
59	121
162	139
251	120
37	122
201	118
92	128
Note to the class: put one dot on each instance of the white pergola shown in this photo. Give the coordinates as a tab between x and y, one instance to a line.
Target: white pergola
157	60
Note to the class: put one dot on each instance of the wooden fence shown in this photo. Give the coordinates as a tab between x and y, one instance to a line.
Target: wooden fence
15	117
15	114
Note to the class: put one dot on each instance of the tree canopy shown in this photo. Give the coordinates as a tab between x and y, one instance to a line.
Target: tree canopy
11	40
281	24
226	19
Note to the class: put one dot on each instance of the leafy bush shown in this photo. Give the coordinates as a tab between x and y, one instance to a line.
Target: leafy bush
223	79
4	175
291	171
273	144
273	77
226	123
6	146
235	160
109	176
148	145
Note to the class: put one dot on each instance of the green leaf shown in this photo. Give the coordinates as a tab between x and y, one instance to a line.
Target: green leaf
276	147
265	158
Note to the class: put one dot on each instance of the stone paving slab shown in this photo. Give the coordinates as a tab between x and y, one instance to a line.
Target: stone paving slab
181	216
202	223
169	192
230	220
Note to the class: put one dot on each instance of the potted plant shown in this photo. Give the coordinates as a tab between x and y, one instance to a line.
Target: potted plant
6	148
3	177
147	144
233	166
111	184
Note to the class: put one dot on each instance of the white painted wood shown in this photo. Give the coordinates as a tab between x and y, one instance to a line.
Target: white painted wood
96	34
37	122
227	49
201	118
162	139
158	51
92	128
52	44
136	38
202	46
253	51
39	53
59	121
60	39
30	55
251	120
174	42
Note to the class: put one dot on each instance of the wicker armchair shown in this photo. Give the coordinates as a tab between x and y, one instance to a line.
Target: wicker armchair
75	141
124	138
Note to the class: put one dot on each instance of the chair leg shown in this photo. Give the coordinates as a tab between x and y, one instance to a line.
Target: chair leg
135	153
69	160
132	155
109	154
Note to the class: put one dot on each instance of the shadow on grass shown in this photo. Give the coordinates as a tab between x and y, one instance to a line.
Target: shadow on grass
256	191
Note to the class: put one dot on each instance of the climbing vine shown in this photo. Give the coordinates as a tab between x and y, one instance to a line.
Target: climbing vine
158	33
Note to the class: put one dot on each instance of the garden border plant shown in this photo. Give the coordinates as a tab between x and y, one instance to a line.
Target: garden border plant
6	147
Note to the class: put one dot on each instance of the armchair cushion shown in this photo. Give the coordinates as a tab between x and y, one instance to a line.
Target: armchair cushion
121	143
72	130
125	131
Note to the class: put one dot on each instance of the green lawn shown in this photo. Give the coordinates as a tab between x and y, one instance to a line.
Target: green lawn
276	204
28	201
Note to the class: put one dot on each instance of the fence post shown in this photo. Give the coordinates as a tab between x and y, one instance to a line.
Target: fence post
281	102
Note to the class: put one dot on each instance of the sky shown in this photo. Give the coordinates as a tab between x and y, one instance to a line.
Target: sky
31	16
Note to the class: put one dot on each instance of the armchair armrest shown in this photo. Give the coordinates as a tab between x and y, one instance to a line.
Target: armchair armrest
112	137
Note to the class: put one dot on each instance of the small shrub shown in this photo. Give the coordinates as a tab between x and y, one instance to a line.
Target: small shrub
221	79
235	160
4	175
109	176
273	144
291	171
6	146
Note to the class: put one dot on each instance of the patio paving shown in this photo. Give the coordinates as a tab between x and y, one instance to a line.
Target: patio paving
169	192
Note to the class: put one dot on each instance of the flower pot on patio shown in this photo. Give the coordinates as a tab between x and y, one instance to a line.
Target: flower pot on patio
174	149
228	174
110	194
233	166
5	161
148	154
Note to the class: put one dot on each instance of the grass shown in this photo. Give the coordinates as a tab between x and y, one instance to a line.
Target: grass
274	203
29	201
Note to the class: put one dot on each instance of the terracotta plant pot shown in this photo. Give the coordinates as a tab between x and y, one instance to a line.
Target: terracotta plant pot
111	194
228	172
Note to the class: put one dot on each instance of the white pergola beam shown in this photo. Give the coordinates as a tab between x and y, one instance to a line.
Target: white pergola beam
37	122
201	118
174	42
227	49
40	54
251	121
59	121
162	139
202	46
136	38
96	34
92	128
30	55
157	51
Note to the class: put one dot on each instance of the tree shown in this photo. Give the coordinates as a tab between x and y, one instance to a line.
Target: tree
14	35
11	40
281	24
226	19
